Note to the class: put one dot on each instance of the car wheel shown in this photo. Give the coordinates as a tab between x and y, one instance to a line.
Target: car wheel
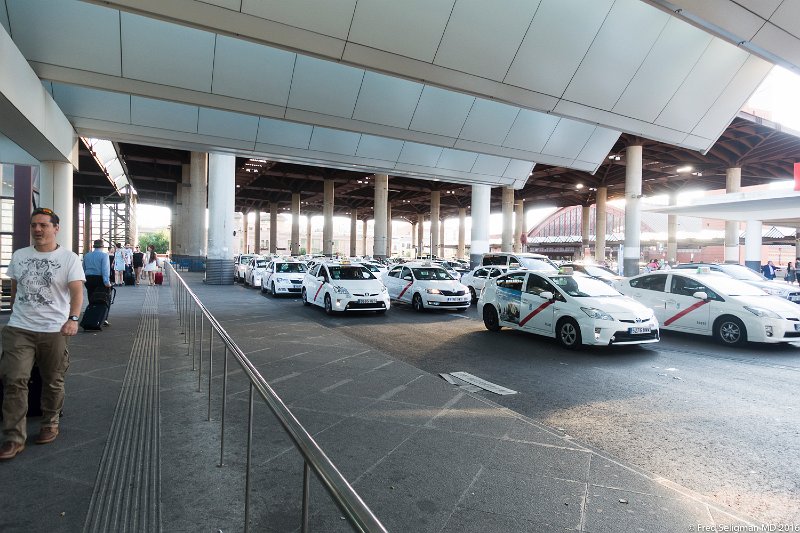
305	297
730	330
490	318
416	303
273	292
472	294
568	333
328	306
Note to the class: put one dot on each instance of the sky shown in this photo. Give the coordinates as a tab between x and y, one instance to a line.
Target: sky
779	94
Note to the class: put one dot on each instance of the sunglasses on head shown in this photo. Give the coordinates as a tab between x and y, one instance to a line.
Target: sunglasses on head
42	211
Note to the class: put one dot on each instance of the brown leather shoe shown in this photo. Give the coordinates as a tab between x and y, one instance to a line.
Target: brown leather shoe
47	435
10	450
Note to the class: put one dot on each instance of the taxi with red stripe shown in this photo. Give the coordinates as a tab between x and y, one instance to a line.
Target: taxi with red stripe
426	285
711	303
340	286
572	307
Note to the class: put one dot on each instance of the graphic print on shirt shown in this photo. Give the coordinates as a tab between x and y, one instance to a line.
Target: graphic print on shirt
35	281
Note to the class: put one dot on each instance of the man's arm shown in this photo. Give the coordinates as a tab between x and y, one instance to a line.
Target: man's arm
70	327
13	292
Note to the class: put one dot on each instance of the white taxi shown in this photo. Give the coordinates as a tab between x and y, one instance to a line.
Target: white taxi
283	276
425	286
573	308
254	271
344	286
711	303
476	278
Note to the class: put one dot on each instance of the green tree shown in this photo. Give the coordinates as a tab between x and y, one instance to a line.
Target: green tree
159	240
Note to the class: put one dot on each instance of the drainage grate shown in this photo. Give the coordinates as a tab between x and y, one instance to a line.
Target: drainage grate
466	380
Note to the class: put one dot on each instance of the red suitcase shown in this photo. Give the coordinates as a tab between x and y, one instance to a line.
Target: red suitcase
159	277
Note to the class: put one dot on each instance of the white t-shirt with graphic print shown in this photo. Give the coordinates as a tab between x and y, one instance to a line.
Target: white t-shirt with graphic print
42	301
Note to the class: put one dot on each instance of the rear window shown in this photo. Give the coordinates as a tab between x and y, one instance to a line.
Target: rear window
657	282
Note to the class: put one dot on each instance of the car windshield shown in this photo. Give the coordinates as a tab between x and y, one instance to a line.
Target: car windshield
534	263
583	287
290	267
371	268
729	286
354	272
742	272
598	271
432	274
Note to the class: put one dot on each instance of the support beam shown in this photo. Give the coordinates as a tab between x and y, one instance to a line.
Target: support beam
222	198
585	214
507	236
273	228
672	234
197	234
421	235
294	245
353	231
481	203
733	183
519	225
633	210
380	214
600	225
327	215
388	229
257	232
462	230
752	245
55	192
435	207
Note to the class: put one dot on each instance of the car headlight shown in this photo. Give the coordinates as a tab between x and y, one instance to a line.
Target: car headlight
761	312
777	292
597	313
282	280
341	290
433	291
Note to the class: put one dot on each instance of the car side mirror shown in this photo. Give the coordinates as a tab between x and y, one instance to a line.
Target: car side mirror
700	295
321	278
546	295
408	278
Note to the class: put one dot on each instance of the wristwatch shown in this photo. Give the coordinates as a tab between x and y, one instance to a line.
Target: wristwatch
74	318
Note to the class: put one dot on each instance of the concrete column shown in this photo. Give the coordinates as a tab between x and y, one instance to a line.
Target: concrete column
364	236
441	238
257	232
507	236
672	233
327	215
353	231
180	246
294	246
222	196
414	242
87	227
585	214
197	233
246	232
481	204
55	192
380	214
462	231
519	224
633	211
600	225
420	235
388	229
309	240
752	245
733	183
273	228
435	204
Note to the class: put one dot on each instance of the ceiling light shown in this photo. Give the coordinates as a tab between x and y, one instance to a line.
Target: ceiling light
683	170
579	186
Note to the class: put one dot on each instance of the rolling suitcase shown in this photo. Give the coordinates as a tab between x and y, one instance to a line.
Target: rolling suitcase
97	312
128	277
159	278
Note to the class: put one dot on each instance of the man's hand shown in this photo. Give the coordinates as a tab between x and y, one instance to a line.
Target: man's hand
70	328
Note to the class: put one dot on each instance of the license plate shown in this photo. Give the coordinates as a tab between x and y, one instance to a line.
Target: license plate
455	299
639	330
367	301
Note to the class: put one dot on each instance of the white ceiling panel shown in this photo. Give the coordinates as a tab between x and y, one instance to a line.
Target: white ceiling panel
328	17
227	124
85	102
716	68
725	14
164	115
324	87
251	71
744	83
568	139
565	29
671	59
284	133
441	112
166	53
4	17
420	154
489	122
457	160
621	45
598	146
384	25
490	164
531	131
233	5
483	41
334	141
771	37
74	34
762	8
519	170
787	17
386	100
379	148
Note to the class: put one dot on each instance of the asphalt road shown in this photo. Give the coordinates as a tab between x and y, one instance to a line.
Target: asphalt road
723	422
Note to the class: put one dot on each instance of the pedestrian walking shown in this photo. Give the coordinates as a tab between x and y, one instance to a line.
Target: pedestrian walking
769	270
791	273
797	269
138	263
151	264
46	297
119	265
96	267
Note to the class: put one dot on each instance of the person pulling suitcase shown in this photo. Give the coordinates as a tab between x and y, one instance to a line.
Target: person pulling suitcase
96	266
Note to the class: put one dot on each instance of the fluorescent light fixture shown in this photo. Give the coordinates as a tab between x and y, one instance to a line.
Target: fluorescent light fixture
683	170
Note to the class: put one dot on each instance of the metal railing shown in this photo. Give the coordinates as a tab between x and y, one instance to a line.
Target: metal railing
349	502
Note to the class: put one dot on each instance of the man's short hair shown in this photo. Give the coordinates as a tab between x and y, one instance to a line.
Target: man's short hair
98	243
45	211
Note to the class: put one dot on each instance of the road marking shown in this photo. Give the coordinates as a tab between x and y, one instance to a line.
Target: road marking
482	383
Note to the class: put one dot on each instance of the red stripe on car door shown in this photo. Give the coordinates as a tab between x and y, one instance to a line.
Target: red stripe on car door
535	312
404	290
317	293
685	312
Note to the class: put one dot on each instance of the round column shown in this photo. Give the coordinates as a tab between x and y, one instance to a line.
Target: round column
420	235
388	229
519	224
441	239
462	232
222	196
197	234
752	245
273	228
55	192
380	214
672	233
245	232
414	235
364	237
257	232
327	215
481	205
294	245
633	210
309	240
353	231
733	183
436	198
507	236
585	214
600	225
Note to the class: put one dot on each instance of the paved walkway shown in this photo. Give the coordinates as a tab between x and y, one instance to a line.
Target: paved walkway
137	453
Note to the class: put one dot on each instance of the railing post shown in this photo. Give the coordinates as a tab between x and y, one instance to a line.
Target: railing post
210	364
306	496
200	356
224	405
249	457
193	332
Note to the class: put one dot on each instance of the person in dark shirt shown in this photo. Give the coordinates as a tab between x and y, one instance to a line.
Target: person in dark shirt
138	263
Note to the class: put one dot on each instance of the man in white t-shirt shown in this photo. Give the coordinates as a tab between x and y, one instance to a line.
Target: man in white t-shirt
46	298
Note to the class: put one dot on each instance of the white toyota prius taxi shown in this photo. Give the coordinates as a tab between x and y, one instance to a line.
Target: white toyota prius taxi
710	303
344	286
573	308
426	286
